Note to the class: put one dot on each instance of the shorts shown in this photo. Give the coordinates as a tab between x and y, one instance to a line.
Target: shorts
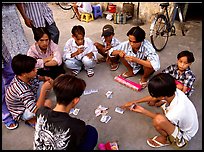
177	138
27	115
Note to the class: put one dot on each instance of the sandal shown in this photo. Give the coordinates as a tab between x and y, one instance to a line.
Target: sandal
125	75
31	122
90	72
13	125
75	72
114	67
100	60
156	144
143	84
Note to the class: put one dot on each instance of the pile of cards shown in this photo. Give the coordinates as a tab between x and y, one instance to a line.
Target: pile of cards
74	111
102	111
86	92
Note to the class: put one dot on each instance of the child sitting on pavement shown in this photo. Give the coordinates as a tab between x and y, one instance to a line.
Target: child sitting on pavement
137	55
79	52
47	54
182	73
109	41
179	122
65	132
22	96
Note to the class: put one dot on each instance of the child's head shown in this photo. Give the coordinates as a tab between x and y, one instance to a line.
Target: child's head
108	32
185	59
24	64
162	85
67	88
78	33
42	37
136	37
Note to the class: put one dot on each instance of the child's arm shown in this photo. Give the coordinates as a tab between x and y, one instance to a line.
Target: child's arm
149	99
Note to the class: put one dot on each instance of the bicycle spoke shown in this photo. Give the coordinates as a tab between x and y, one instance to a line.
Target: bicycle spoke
159	34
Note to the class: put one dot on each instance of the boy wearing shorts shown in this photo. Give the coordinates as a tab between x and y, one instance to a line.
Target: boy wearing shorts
179	122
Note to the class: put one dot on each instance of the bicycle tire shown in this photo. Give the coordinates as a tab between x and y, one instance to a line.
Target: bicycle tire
65	5
159	32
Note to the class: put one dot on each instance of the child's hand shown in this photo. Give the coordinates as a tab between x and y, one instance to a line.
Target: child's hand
121	54
126	105
80	50
129	58
137	108
47	85
89	55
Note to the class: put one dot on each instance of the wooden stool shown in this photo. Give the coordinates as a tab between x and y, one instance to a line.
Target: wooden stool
87	17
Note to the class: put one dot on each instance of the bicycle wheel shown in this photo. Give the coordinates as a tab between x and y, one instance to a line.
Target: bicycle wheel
65	5
159	32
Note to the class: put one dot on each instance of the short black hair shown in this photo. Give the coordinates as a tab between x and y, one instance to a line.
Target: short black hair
39	32
22	63
161	85
138	33
78	29
67	87
188	54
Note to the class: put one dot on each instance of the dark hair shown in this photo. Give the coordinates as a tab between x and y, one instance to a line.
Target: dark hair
39	32
188	54
161	85
68	87
137	32
78	29
22	63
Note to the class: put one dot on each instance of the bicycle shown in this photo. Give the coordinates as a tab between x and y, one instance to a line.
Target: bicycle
162	26
66	6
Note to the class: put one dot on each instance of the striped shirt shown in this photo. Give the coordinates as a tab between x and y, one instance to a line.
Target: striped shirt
114	41
146	52
39	12
20	96
35	52
187	78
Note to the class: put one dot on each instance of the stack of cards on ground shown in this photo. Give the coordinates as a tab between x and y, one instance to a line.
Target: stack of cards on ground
74	111
102	111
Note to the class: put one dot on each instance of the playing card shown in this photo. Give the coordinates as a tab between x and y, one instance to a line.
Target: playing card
71	111
105	118
76	111
119	110
133	106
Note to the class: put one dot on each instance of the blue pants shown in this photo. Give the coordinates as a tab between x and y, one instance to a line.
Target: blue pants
7	76
91	139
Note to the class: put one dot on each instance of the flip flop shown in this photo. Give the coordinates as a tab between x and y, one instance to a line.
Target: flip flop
75	72
143	84
124	75
157	142
30	124
90	72
114	67
12	125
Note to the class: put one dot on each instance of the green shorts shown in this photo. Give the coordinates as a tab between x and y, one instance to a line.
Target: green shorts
177	138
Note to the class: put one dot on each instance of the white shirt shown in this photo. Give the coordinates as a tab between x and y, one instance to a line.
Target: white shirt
146	52
114	41
84	7
71	47
182	113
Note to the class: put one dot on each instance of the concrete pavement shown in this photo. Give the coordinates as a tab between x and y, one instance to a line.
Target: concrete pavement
131	130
